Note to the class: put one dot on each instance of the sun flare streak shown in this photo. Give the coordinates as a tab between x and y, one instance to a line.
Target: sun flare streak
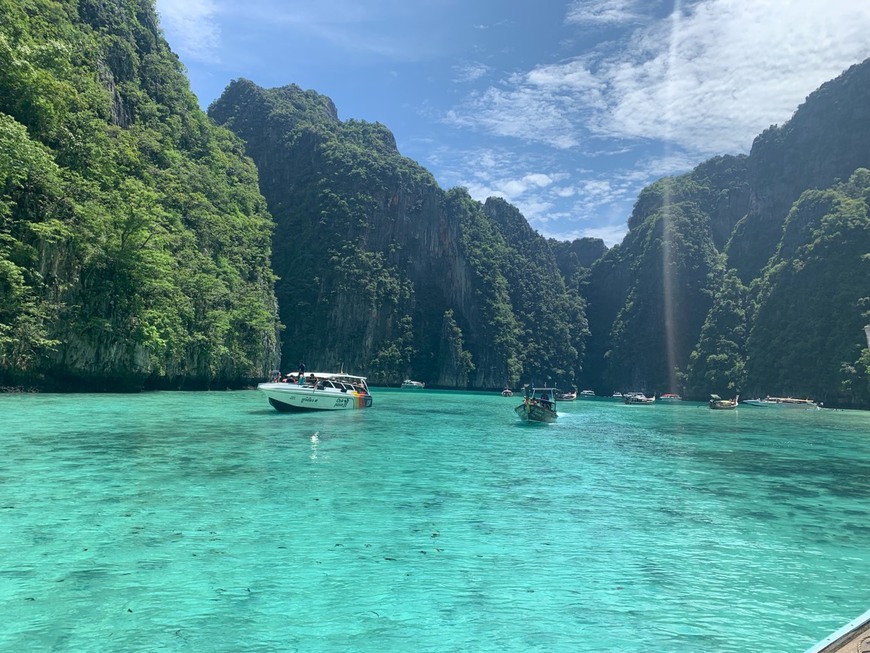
668	268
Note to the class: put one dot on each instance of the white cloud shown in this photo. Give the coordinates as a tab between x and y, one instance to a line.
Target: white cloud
568	77
551	199
602	11
715	76
704	82
611	233
708	79
523	113
470	72
192	27
545	105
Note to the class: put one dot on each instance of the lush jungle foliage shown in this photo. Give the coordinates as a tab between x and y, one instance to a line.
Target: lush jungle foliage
813	299
134	243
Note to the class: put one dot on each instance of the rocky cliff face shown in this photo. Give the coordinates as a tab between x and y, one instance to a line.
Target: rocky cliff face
648	296
826	140
380	270
744	206
135	244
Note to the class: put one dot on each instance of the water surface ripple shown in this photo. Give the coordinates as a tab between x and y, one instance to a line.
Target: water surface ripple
433	522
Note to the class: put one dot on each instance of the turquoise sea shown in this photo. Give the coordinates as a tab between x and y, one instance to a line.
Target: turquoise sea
432	522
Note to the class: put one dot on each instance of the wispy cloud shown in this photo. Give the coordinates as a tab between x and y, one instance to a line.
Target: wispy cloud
708	79
192	27
544	105
713	77
563	203
470	72
603	12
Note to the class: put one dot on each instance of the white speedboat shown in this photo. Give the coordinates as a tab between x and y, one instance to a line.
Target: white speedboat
637	398
320	391
408	384
782	402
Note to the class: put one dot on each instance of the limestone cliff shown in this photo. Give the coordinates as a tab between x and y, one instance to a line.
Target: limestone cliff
379	269
826	140
134	243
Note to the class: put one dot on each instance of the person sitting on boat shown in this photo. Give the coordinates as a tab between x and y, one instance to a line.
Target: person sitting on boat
312	380
545	400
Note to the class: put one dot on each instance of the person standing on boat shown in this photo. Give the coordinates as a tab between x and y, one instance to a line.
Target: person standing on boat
301	373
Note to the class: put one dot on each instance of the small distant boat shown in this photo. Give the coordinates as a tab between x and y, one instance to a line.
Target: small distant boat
567	396
539	405
670	396
408	384
507	392
318	391
783	402
637	398
587	393
717	403
617	395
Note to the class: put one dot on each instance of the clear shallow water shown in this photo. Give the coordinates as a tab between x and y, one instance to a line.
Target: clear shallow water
434	521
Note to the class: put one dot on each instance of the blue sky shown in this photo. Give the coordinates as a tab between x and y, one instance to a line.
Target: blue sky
566	108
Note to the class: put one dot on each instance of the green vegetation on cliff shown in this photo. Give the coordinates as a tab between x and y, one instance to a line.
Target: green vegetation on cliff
140	247
783	313
134	243
382	271
813	298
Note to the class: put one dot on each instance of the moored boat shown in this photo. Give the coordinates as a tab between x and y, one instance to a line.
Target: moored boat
587	393
507	392
670	396
637	398
717	403
408	384
783	402
539	405
319	391
567	396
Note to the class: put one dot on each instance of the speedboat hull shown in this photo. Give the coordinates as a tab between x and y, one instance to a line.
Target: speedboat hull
287	397
782	402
